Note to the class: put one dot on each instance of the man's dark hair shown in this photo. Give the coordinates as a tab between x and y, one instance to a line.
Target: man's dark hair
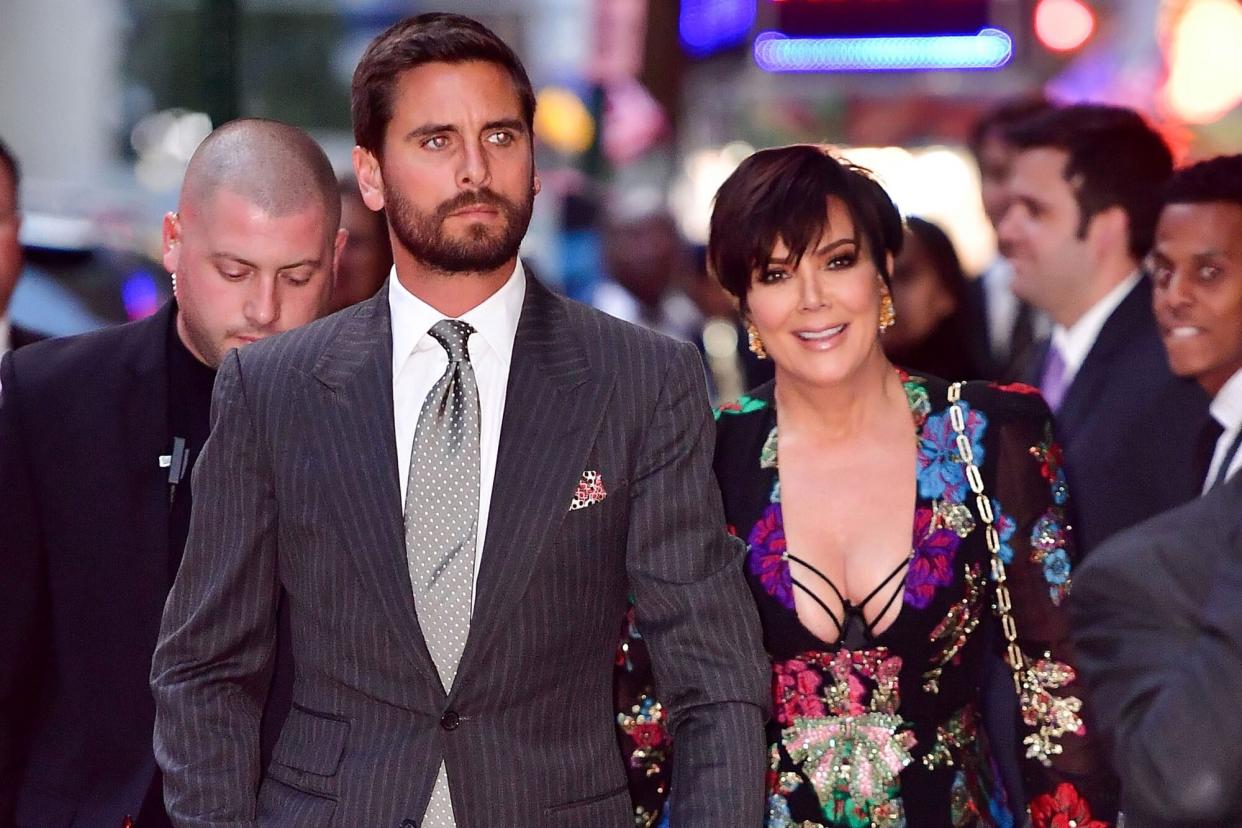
1116	159
783	193
1005	116
9	161
1217	179
427	38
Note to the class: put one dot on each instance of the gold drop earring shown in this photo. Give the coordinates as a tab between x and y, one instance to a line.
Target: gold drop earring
888	316
756	344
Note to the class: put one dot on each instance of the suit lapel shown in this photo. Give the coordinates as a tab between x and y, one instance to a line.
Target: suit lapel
146	438
1117	332
553	409
358	454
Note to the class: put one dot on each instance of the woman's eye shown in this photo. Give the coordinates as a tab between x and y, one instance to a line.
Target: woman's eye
1209	274
769	276
842	261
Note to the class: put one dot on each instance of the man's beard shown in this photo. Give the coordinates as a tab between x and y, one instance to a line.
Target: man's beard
480	250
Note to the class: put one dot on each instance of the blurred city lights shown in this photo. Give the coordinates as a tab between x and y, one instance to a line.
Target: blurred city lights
140	295
562	121
708	25
1063	25
702	174
989	49
164	142
1205	62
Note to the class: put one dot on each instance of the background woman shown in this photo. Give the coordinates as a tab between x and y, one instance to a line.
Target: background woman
930	297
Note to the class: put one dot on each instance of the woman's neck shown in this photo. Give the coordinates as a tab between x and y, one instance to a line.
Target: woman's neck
842	409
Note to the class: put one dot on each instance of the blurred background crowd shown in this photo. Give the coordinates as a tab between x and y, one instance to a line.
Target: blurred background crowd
645	106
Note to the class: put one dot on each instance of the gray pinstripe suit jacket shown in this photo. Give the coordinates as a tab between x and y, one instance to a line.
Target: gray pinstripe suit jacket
297	487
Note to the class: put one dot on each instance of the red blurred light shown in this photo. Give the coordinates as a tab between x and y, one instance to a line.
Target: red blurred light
1063	25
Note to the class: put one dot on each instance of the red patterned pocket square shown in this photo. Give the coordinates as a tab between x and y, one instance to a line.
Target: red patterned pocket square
590	491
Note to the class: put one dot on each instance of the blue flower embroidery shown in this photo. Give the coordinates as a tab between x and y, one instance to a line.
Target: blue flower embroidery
941	474
1005	527
1048	533
1057	574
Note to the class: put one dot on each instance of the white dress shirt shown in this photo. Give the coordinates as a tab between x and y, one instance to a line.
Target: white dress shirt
1226	409
1075	342
1000	306
419	360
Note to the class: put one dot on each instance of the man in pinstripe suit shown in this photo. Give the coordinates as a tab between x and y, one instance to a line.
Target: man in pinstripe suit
455	672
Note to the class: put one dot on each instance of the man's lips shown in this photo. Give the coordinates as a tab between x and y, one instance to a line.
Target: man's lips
477	210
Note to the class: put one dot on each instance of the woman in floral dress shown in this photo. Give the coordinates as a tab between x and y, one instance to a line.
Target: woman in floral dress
901	530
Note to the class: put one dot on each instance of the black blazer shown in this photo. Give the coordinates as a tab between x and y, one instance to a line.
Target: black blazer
19	336
85	563
1158	630
1128	426
84	572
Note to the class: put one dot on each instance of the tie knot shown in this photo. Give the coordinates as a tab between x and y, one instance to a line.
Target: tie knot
453	334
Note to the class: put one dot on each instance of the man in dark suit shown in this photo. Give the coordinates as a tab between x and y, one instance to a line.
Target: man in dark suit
11	336
1085	192
1158	632
457	483
97	436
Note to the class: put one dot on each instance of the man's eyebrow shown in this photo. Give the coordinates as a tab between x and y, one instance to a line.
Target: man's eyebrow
429	129
229	257
232	257
514	124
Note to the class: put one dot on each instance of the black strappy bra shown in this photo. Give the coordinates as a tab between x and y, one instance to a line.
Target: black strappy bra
854	631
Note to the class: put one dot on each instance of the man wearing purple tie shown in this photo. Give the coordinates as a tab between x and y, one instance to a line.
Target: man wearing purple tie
1085	189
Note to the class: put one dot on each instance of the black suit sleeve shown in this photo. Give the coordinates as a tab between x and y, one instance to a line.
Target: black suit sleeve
1158	612
24	620
213	663
696	612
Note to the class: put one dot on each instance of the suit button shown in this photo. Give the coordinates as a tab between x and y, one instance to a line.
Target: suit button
450	720
408	823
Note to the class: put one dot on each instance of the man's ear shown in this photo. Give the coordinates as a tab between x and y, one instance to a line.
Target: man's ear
370	178
170	239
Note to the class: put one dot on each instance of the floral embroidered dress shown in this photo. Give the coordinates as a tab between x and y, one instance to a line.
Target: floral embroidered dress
885	730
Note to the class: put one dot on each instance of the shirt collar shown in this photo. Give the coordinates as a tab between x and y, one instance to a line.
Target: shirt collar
495	319
1226	406
1076	341
6	333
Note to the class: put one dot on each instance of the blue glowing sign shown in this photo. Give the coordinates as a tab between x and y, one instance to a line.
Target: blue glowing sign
989	49
709	25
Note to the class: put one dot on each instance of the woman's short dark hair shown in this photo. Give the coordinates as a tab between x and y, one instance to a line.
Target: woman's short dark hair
428	38
783	193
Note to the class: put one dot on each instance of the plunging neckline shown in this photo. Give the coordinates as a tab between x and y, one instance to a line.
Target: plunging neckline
770	458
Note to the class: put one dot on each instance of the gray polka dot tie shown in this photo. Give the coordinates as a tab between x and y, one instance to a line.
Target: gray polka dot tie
441	520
